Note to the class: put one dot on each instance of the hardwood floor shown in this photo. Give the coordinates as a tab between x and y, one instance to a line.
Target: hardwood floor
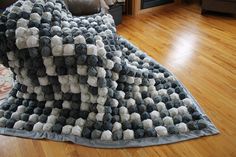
201	52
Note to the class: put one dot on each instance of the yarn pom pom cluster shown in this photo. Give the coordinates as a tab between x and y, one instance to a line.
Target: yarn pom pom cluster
77	80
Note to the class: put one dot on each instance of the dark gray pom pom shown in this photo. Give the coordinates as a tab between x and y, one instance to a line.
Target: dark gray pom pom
117	135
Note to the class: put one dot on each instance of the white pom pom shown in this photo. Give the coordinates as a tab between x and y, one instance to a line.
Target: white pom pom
99	43
171	78
43	81
91	50
130	80
55	29
84	106
151	88
76	130
65	25
49	104
35	17
98	37
148	100
114	103
22	23
135	88
73	79
55	111
99	116
21	43
120	95
57	50
160	106
74	88
128	134
162	92
110	64
82	69
51	119
19	94
80	122
125	117
92	81
11	55
92	116
69	50
187	102
83	88
48	61
161	131
116	59
93	98
38	126
106	135
147	123
33	117
118	53
173	112
168	121
155	114
40	97
19	124
152	82
135	117
130	102
182	127
20	32
137	81
114	85
137	95
66	104
101	100
65	88
115	76
66	129
101	52
143	88
100	108
47	15
33	31
116	126
79	39
51	70
160	75
101	72
21	109
174	96
182	110
47	127
56	41
123	110
32	41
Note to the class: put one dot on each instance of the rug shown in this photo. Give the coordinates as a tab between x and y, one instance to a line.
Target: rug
6	81
77	80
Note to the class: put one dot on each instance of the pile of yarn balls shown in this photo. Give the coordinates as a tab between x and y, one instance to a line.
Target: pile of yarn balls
76	76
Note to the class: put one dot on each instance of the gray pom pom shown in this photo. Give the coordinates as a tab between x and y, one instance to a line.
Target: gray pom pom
96	134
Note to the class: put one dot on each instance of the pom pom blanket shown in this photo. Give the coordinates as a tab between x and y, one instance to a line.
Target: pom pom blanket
77	80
